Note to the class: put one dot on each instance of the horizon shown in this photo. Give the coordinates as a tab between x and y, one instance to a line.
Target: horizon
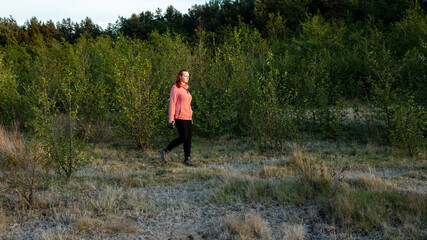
100	12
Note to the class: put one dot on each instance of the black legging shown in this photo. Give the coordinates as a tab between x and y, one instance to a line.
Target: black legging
185	129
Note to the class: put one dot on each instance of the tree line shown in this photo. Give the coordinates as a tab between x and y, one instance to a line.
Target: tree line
215	16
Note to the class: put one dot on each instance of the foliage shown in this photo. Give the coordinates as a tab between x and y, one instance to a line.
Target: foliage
273	69
409	123
272	116
214	109
55	107
59	139
10	99
136	95
411	31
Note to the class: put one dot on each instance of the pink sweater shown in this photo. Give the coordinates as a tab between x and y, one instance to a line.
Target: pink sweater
180	104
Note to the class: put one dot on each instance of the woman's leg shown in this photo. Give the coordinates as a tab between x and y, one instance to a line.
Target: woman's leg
182	128
187	140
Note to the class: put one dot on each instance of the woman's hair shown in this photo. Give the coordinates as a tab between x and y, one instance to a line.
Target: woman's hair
178	77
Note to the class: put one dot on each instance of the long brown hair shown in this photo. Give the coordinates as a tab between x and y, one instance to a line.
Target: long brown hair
178	77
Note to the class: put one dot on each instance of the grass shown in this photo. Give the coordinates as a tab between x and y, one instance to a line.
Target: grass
294	232
371	209
248	189
59	233
245	227
3	220
344	187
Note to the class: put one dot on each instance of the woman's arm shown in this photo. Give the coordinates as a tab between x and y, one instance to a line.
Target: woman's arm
172	104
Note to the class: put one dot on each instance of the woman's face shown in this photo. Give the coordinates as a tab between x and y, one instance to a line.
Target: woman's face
185	76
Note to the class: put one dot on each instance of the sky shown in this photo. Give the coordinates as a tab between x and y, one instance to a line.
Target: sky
101	12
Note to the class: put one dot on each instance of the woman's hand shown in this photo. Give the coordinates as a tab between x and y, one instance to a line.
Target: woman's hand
171	124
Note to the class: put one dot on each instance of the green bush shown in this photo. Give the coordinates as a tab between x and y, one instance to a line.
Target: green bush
272	116
10	99
409	123
136	96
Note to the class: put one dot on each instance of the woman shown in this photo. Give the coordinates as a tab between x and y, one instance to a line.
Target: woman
180	114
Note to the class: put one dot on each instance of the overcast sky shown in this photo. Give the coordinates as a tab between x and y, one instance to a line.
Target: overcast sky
101	12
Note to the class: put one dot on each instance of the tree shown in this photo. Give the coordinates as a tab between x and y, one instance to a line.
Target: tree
9	31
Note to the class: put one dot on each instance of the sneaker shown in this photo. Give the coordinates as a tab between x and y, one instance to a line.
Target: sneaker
164	154
189	163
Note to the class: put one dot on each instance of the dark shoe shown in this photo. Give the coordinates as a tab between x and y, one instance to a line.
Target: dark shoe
189	163
164	154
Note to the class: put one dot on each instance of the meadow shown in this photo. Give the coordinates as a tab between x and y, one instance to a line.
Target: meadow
318	190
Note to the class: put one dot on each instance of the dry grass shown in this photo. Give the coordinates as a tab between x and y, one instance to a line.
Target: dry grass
11	144
127	179
369	181
85	223
111	225
318	180
372	209
3	220
119	225
270	171
247	227
248	189
309	169
294	232
59	233
105	197
96	206
22	165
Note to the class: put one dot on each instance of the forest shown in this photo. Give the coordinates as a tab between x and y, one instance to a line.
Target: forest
272	72
296	65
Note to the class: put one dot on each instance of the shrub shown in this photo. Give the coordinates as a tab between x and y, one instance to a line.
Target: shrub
272	116
60	140
10	99
136	97
59	131
409	123
384	95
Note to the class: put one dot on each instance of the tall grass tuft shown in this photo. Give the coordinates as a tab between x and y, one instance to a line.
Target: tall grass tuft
249	227
23	165
316	178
